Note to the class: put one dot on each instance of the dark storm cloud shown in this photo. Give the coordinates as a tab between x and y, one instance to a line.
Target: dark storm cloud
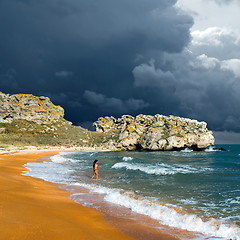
227	137
8	79
69	49
63	74
110	105
148	75
109	57
202	88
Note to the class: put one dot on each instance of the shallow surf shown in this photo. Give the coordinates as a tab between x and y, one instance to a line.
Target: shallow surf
194	191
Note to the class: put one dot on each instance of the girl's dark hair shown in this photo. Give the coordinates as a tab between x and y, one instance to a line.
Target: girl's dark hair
95	161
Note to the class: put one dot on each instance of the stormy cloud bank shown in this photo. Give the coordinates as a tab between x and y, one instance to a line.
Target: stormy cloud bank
109	57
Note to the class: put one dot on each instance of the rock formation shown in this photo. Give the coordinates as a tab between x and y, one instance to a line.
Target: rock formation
37	119
155	132
27	120
28	107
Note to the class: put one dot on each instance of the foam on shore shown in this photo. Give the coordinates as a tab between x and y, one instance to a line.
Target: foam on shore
166	214
158	169
59	172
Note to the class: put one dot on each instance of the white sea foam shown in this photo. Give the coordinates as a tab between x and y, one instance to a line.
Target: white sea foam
210	149
77	194
234	201
186	150
64	157
157	169
57	171
49	171
171	217
127	158
59	158
188	201
164	214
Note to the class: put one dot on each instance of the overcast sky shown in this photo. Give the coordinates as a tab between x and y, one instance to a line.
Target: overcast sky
97	58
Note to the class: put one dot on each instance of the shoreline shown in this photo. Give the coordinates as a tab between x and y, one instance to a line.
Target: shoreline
31	208
33	149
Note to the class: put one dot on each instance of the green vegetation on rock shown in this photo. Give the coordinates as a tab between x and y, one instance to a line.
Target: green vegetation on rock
24	132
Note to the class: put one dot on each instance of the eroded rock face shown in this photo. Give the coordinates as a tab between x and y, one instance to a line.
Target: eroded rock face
28	107
156	132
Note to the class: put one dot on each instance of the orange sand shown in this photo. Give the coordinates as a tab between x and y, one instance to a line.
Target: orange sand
33	209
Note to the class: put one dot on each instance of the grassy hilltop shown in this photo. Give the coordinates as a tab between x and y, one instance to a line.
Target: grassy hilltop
29	120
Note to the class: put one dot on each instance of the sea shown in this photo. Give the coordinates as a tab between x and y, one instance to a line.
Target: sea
194	191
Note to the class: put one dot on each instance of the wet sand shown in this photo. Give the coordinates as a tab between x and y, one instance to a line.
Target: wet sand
34	209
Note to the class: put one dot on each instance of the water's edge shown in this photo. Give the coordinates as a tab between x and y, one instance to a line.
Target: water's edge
116	203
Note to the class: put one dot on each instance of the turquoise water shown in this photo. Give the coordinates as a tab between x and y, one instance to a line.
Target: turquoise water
197	191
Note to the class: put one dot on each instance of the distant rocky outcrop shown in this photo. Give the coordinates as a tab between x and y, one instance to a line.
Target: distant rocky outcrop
155	132
28	107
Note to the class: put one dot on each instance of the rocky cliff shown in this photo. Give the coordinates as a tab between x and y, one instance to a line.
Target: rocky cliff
28	107
30	120
155	132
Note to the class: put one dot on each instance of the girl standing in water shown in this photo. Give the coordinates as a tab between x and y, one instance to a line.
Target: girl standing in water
95	171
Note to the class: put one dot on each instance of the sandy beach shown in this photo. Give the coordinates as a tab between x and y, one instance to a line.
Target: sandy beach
33	209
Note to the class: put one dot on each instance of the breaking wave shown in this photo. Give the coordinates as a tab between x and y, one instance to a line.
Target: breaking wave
158	169
166	215
127	158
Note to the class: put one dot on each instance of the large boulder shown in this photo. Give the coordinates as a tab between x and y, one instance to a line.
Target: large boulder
156	132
